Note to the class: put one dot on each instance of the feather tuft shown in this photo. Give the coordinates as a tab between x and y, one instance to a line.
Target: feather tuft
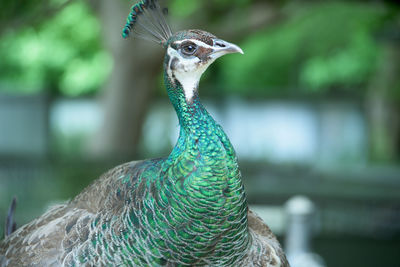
147	21
10	225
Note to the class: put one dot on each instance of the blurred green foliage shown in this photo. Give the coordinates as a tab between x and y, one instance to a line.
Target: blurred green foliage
213	9
184	8
321	45
16	13
64	53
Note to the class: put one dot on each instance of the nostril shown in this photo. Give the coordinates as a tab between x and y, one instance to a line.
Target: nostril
219	44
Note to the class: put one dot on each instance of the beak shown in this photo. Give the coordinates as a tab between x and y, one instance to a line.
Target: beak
222	48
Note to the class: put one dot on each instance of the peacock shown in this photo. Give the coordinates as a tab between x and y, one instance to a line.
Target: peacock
188	209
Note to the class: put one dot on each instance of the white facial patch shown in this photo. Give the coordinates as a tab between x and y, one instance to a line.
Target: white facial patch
187	71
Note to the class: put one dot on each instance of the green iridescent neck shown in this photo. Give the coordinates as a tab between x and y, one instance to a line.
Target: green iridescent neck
198	128
191	114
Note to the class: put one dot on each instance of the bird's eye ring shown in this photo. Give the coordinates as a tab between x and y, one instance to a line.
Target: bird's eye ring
189	49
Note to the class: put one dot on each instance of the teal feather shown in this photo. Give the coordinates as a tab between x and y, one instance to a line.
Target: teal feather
147	21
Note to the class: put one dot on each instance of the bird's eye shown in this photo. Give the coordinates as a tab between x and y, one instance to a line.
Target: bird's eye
189	49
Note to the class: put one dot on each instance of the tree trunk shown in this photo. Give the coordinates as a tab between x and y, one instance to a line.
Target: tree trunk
126	96
383	114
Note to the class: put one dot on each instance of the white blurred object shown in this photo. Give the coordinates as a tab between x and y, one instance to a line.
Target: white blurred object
75	117
306	260
301	215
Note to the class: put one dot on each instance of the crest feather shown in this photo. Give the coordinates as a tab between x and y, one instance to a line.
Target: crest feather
147	21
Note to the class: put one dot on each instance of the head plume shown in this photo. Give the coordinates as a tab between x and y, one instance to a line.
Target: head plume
147	21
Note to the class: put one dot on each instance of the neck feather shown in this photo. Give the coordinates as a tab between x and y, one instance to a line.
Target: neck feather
185	99
199	132
203	172
195	121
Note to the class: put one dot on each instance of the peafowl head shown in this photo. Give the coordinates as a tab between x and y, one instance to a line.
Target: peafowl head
188	53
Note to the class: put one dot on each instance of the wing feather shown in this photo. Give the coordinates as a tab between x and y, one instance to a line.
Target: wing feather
48	239
266	250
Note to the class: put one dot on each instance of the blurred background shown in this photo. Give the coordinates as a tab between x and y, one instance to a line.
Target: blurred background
312	109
